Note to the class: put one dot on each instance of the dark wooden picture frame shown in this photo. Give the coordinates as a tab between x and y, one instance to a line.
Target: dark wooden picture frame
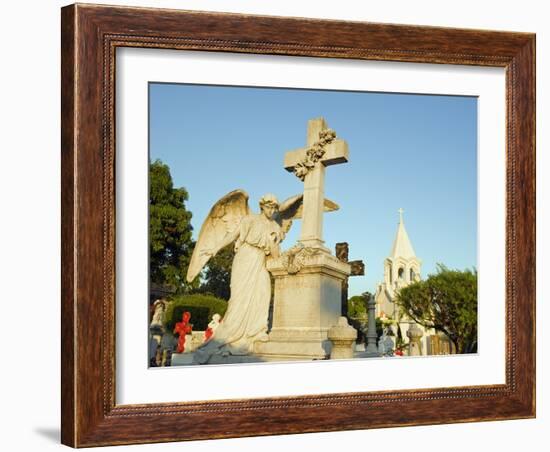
90	35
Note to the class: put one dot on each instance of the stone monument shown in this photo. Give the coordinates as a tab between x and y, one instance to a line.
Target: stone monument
372	335
308	278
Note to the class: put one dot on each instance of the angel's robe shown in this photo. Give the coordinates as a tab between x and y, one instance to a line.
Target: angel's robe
246	318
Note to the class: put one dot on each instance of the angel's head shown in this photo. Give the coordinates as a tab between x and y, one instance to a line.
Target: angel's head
269	205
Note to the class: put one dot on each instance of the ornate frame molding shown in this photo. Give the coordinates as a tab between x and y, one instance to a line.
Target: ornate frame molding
90	36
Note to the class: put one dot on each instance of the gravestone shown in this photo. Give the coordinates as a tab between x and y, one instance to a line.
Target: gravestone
439	344
433	344
386	345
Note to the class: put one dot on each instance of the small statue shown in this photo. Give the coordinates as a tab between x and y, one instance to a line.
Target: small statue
156	331
214	323
158	315
183	328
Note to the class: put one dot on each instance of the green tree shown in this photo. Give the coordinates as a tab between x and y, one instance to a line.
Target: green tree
358	315
357	307
170	230
217	274
447	302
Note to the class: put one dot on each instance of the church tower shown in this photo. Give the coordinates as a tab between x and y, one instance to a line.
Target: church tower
401	268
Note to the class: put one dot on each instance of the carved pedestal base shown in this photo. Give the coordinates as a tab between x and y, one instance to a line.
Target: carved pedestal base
307	303
343	337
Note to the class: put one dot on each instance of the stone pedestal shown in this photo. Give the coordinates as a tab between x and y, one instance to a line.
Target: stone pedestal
343	337
415	340
307	303
193	341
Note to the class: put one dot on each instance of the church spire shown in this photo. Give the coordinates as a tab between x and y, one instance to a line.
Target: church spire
401	268
402	246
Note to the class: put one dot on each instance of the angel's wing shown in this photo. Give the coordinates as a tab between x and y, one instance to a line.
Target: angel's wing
291	208
223	219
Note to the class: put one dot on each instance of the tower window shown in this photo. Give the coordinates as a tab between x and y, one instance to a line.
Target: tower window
400	273
412	274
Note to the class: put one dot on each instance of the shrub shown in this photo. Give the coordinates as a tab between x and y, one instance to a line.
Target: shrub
201	307
199	316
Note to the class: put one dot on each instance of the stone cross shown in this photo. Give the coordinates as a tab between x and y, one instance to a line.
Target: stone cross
357	269
332	152
400	214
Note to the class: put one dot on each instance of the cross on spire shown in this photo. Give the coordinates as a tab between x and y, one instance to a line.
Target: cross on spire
308	163
402	246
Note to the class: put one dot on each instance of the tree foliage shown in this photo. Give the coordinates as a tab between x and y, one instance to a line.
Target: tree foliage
358	315
217	274
170	230
447	302
357	305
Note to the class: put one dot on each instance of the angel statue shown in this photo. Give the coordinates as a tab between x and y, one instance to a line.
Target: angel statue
257	238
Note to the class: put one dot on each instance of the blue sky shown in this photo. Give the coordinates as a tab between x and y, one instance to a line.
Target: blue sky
418	152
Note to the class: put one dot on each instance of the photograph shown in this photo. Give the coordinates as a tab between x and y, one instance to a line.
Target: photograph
263	226
276	224
304	224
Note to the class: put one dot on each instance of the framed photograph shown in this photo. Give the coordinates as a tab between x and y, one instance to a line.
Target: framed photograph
268	231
